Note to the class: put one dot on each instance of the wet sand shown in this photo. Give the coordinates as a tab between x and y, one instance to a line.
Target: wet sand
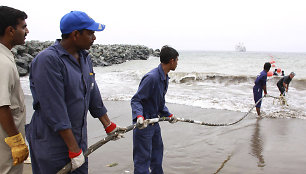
253	146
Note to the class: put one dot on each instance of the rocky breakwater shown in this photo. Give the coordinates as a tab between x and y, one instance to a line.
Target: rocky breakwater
101	55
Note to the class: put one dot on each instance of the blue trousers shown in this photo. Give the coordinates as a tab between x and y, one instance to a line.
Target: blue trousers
148	150
257	95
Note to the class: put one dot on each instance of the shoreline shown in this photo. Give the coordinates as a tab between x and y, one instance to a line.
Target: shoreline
255	145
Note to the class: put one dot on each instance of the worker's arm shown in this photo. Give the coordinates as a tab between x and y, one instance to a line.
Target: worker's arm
286	86
69	140
109	126
7	121
265	89
105	120
14	140
75	152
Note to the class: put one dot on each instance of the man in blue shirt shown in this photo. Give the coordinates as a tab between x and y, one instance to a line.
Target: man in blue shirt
260	84
63	87
147	103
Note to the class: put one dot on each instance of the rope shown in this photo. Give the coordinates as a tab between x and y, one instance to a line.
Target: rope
282	99
221	124
92	148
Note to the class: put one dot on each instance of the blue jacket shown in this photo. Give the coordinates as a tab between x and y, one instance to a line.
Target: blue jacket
63	91
261	80
149	100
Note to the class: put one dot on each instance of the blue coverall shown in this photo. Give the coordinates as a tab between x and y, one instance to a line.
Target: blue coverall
260	82
149	101
63	91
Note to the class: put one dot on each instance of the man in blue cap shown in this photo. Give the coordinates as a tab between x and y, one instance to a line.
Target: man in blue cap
63	87
147	103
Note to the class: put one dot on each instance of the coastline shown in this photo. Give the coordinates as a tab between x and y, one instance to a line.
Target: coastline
254	145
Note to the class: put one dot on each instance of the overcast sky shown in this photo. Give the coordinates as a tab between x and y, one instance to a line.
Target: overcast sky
262	25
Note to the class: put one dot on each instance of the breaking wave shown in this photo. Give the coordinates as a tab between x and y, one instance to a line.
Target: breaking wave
182	77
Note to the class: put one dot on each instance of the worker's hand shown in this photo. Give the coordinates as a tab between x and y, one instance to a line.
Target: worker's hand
77	159
20	151
141	122
113	128
173	120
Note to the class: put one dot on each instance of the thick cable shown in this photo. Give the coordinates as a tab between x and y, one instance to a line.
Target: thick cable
92	148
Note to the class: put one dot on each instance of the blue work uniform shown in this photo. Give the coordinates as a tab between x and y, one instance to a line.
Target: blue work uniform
149	101
63	91
260	82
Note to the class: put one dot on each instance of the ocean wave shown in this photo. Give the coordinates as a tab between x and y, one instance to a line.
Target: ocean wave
205	90
299	84
184	77
187	77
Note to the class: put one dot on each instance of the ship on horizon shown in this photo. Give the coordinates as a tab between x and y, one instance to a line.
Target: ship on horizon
240	47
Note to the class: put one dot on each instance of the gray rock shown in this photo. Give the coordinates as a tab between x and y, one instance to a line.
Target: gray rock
22	71
101	55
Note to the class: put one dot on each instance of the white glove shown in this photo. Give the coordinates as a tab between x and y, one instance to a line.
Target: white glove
141	123
77	161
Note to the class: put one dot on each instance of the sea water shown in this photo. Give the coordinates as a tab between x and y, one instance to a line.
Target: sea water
217	80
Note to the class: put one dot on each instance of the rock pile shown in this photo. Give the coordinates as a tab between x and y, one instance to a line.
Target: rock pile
102	55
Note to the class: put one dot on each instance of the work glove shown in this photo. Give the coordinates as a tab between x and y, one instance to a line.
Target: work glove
141	122
20	151
112	128
77	159
174	119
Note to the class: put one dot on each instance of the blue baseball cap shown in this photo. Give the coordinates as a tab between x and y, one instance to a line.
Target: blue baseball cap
78	20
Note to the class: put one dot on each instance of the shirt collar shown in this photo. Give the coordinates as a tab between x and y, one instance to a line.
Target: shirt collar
6	52
60	48
161	72
62	51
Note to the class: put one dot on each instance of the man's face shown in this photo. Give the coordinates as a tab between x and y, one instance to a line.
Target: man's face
291	76
173	63
86	39
20	33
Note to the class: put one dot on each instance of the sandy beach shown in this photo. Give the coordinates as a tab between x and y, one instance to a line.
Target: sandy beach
253	146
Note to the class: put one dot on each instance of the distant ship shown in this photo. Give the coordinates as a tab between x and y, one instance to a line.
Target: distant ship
240	47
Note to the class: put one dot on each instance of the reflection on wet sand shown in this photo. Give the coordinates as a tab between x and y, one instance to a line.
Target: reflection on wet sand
257	145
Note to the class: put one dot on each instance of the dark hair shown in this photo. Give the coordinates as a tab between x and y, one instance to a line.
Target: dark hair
267	66
10	17
65	36
167	53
